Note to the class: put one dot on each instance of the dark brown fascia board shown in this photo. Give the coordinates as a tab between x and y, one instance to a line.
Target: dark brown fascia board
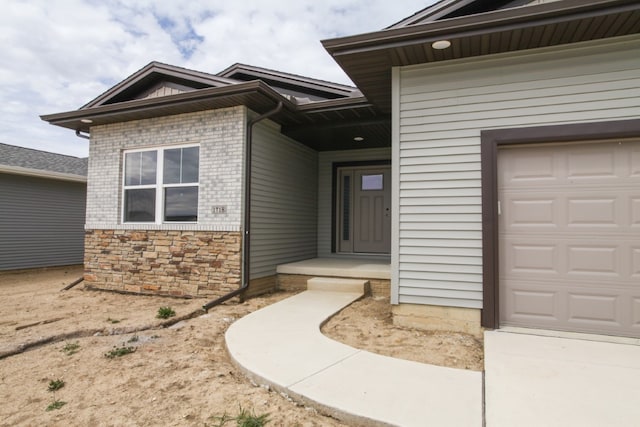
335	104
161	68
291	79
151	104
500	20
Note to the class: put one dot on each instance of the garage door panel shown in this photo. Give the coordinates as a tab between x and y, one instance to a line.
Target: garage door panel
635	310
635	211
592	212
593	260
635	263
594	309
532	212
525	257
568	237
537	168
634	160
592	162
527	305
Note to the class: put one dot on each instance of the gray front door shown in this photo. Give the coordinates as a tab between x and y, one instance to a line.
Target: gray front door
364	210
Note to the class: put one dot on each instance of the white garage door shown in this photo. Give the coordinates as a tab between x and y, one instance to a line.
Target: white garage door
569	233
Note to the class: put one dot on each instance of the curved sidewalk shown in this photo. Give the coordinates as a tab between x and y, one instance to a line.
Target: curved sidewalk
281	345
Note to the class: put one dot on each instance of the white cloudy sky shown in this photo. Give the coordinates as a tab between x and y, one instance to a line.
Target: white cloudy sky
59	54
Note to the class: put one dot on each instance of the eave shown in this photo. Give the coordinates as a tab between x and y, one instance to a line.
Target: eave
255	95
368	58
324	125
38	173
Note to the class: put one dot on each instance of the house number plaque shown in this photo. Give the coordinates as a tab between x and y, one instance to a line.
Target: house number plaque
219	209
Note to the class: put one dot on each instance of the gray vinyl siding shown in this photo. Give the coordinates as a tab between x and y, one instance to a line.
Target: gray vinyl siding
441	110
326	159
283	201
41	222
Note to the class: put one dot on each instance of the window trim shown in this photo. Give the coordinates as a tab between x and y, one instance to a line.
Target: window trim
159	186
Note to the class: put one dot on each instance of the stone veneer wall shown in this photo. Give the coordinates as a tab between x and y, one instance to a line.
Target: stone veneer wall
165	262
200	259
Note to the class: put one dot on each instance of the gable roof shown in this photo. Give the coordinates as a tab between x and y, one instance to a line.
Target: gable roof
446	9
368	58
341	111
150	75
27	161
305	89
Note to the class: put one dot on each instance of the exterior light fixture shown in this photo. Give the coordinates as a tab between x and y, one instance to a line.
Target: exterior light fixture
440	44
358	138
86	120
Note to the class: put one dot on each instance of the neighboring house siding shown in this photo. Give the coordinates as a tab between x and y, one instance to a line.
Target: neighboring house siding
442	110
283	200
326	159
220	134
41	222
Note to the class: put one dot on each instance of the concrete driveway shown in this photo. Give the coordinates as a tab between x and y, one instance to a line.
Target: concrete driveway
560	381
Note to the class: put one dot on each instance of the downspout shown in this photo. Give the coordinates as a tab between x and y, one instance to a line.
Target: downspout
246	238
80	135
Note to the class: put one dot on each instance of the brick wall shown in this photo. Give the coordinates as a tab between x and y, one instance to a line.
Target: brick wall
220	134
166	262
200	259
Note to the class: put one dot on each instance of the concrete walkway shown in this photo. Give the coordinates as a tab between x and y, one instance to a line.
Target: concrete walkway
282	346
561	380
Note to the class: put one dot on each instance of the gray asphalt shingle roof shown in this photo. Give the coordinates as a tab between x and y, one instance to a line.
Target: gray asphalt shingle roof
11	155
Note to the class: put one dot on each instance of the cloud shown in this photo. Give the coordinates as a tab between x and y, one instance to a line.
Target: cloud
59	55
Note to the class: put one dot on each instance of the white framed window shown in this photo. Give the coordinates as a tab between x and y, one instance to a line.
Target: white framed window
161	185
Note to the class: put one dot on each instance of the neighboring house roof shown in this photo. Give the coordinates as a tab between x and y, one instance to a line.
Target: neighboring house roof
369	58
26	161
326	116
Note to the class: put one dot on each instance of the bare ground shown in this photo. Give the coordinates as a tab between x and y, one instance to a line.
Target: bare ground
177	376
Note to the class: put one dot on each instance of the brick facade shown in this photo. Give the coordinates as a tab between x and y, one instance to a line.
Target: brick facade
220	135
166	262
179	259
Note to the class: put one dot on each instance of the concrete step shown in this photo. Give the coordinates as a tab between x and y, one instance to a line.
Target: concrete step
336	284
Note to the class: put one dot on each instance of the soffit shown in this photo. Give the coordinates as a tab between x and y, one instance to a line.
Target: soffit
368	58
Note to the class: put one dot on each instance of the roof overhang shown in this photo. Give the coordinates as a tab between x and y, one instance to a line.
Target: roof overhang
368	58
38	173
324	125
255	95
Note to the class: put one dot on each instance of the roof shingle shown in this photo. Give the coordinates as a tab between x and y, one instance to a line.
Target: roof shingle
28	158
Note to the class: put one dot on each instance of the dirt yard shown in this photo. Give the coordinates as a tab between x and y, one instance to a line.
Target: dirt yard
178	375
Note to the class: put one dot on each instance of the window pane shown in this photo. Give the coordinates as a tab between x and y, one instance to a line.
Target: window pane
148	170
372	182
132	169
190	159
346	208
140	205
172	166
181	204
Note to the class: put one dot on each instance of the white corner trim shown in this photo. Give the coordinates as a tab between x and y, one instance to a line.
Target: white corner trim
395	184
